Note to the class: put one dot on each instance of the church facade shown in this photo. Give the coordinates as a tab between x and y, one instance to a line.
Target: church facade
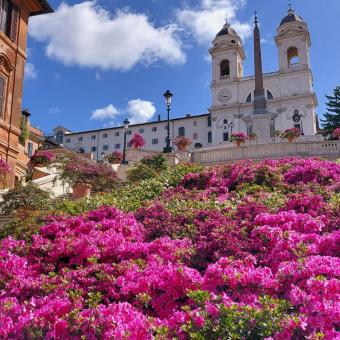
262	104
289	97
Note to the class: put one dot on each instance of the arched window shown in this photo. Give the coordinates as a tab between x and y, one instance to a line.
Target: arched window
60	137
249	98
225	68
269	95
293	57
225	121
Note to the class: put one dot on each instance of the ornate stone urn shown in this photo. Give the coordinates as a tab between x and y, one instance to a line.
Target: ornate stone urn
81	190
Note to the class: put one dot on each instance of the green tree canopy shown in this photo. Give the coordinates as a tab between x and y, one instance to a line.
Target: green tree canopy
332	117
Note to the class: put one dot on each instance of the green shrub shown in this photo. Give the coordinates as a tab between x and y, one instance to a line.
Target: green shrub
140	172
157	162
235	322
24	196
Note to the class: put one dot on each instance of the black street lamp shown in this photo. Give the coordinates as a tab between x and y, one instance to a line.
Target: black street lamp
168	96
231	129
126	126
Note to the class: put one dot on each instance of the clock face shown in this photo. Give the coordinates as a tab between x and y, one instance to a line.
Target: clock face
224	96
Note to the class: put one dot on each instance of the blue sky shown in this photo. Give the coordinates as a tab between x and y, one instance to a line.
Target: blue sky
91	64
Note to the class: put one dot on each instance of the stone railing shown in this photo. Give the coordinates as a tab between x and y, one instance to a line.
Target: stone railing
326	149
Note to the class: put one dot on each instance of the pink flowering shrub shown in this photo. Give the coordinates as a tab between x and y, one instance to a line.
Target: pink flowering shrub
42	157
137	141
4	169
243	251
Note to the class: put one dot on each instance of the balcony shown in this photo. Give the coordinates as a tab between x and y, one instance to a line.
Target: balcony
294	66
225	77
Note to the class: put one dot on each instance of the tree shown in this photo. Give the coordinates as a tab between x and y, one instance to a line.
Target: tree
332	117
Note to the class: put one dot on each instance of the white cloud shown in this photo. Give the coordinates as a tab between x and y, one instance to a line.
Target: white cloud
30	71
140	111
137	110
54	110
205	21
108	112
87	35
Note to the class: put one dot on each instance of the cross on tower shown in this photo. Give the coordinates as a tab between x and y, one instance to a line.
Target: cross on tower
226	18
290	5
255	20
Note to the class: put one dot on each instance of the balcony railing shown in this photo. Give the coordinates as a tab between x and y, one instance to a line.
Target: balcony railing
225	77
294	66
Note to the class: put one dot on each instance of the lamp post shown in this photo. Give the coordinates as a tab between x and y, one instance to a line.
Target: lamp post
103	155
126	126
168	97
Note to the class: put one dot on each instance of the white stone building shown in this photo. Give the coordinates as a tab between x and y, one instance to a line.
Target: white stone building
290	98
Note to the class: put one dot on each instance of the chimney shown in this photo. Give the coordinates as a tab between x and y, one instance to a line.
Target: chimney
159	118
188	115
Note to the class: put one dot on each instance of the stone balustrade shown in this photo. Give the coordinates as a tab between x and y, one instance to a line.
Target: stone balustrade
328	149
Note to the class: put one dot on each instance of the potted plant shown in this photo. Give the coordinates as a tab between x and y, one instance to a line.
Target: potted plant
336	133
137	141
291	134
4	170
182	143
252	136
83	176
114	158
239	138
277	133
42	158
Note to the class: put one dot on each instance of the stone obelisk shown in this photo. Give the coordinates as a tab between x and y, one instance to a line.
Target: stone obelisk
261	118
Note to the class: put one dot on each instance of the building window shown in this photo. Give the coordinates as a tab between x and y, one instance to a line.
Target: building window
2	93
269	95
128	132
209	137
105	147
225	68
225	137
165	127
195	123
154	128
209	121
195	136
141	130
116	134
60	137
80	139
249	98
93	137
105	135
155	141
68	140
30	149
9	14
93	148
117	146
181	132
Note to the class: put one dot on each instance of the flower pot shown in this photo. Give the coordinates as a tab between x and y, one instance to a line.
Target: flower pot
238	143
290	139
81	190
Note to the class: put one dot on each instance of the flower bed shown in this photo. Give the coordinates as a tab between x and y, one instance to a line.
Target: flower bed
248	250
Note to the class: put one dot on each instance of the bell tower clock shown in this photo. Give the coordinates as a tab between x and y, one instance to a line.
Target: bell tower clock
227	55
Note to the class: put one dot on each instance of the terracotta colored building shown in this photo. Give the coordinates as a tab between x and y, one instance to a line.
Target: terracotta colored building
14	16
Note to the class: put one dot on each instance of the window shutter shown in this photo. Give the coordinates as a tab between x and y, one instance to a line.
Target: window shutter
2	90
14	22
